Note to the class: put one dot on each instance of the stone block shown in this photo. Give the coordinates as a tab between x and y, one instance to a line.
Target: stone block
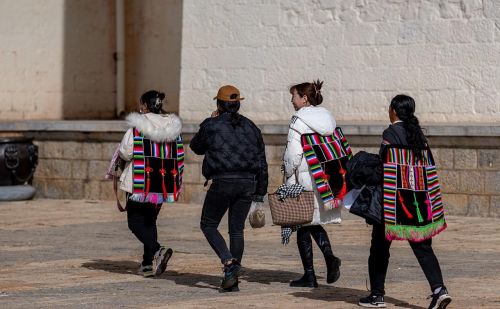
64	189
437	32
491	8
193	194
411	33
58	168
106	190
464	101
497	30
495	206
192	173
52	150
108	150
79	169
43	169
449	181
274	154
486	102
97	169
433	78
71	150
359	34
92	190
450	9
190	156
456	204
479	206
91	151
489	159
492	182
393	56
387	33
443	158
465	158
471	182
275	177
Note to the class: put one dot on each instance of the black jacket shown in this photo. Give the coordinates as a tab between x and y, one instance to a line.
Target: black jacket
232	149
365	171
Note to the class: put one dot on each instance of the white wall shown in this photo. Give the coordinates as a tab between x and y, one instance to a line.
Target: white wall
31	46
444	53
56	59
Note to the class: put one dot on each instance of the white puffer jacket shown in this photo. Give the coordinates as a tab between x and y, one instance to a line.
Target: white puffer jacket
156	127
309	119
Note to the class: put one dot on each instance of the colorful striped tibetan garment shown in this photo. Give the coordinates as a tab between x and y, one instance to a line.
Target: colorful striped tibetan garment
158	169
412	198
327	157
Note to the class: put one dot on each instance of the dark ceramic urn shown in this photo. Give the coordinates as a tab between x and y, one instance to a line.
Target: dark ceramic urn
18	161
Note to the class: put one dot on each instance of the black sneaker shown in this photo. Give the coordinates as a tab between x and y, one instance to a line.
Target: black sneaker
440	300
146	271
231	272
372	301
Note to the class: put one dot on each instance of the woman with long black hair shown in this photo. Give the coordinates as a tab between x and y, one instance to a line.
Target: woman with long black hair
405	132
152	175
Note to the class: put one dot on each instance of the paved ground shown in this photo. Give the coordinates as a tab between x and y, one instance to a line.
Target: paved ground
80	254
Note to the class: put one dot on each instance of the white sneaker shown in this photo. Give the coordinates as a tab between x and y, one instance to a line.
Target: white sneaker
160	260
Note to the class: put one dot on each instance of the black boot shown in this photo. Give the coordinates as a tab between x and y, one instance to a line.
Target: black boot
306	255
332	262
332	268
308	280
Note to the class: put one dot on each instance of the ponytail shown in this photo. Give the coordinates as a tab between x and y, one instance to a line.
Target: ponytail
154	101
404	107
311	90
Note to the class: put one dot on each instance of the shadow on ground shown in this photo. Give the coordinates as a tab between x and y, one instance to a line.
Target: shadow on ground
262	276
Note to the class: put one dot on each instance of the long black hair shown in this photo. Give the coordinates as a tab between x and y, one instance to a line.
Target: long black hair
153	100
232	108
404	107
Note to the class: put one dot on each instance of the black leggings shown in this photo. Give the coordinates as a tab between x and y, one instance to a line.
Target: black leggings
142	222
379	260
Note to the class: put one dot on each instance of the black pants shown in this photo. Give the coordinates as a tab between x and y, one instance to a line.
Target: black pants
379	261
304	243
142	222
235	196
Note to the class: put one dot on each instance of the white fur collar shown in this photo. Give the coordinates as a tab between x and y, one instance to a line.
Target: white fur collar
158	128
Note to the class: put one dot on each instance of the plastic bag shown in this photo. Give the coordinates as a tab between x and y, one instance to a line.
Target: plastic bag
256	215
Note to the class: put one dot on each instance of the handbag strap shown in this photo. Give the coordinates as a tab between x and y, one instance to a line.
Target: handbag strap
115	188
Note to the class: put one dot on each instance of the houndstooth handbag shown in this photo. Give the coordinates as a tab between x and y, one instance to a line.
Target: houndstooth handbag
292	210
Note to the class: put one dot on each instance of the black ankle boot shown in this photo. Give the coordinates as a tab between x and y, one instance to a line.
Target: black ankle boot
332	268
307	280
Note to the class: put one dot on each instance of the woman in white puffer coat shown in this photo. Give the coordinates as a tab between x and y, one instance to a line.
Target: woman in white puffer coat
310	118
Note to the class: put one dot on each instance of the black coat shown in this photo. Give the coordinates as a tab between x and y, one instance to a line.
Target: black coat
365	171
232	149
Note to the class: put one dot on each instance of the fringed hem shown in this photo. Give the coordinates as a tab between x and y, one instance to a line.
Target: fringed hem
413	233
154	198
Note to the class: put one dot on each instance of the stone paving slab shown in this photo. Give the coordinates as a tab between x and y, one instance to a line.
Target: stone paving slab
80	254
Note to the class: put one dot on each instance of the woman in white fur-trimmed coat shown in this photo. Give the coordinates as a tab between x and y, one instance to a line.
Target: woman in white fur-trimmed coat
157	127
310	118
